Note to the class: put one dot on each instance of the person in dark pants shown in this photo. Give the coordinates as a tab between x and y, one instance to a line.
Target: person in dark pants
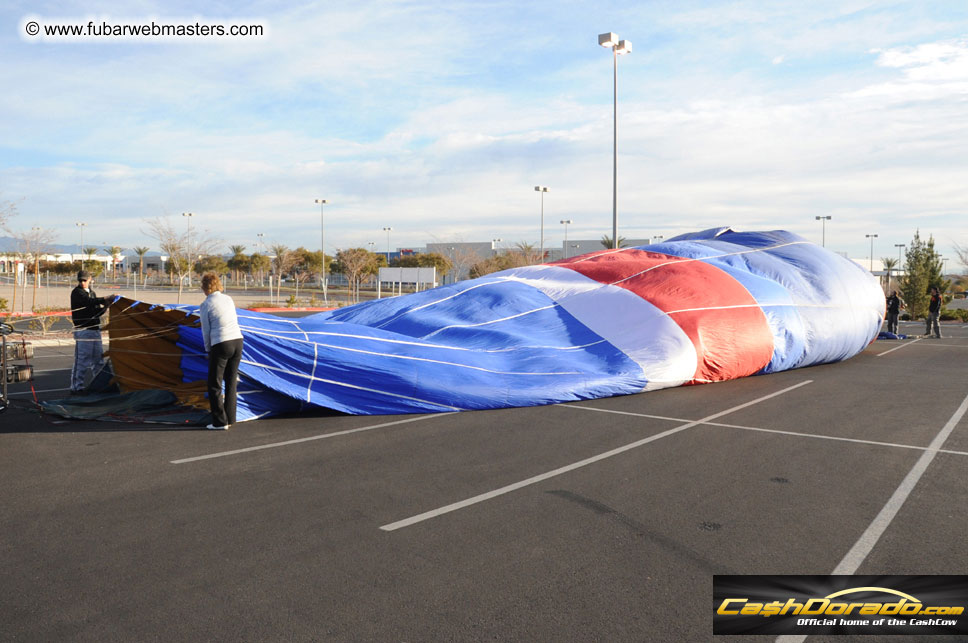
894	305
934	312
223	343
86	311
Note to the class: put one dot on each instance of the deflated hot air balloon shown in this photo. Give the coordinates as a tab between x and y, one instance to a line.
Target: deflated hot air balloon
702	307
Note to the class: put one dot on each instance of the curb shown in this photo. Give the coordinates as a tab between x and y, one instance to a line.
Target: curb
59	313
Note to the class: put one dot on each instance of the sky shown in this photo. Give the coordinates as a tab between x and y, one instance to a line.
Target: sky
437	119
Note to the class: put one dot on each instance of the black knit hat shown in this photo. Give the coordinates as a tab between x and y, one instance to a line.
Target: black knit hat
83	275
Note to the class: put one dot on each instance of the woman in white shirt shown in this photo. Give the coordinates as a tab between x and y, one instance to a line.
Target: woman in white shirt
223	343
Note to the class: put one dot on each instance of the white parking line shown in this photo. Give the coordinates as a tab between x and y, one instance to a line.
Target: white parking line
898	347
853	559
865	544
777	431
324	436
46	390
427	515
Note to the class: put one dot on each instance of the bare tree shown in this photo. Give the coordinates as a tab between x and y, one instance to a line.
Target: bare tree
355	264
462	258
305	264
31	245
7	210
283	263
176	246
962	253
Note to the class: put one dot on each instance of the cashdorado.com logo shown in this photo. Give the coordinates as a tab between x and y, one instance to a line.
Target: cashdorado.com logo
840	605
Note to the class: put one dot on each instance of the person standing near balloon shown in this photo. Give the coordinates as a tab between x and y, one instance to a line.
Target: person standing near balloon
894	305
223	343
934	312
86	311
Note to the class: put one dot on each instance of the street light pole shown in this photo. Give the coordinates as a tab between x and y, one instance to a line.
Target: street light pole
262	243
322	244
542	189
611	41
388	230
899	246
188	250
566	223
871	237
80	224
823	230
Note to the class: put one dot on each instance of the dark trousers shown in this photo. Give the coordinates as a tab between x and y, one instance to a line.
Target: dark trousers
223	364
892	322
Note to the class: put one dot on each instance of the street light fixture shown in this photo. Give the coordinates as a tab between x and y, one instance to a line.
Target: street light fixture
871	237
566	223
81	224
388	230
618	47
823	230
322	245
188	250
657	237
542	189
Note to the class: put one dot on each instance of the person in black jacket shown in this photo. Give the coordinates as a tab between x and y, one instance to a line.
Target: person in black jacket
894	305
86	311
934	311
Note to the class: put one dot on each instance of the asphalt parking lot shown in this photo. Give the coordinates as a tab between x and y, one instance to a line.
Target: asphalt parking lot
594	521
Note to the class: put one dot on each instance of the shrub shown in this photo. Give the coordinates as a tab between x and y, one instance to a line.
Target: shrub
43	319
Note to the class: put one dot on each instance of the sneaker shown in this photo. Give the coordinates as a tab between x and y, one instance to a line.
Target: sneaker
218	428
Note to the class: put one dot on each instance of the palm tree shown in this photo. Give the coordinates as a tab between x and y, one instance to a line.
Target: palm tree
90	251
607	241
260	263
889	265
115	253
529	255
237	261
141	251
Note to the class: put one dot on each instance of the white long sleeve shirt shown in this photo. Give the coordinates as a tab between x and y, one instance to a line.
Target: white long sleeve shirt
220	323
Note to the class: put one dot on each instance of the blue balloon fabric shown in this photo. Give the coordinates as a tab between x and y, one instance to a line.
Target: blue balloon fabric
702	307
